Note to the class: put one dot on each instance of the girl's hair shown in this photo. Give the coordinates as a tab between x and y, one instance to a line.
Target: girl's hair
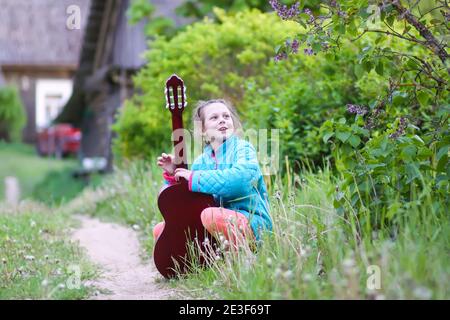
199	116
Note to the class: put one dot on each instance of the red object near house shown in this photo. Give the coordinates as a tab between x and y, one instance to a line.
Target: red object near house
59	140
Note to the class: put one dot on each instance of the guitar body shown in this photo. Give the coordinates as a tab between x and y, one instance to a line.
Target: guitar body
180	208
182	227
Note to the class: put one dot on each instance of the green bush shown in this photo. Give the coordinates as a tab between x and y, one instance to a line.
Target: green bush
214	60
12	115
393	155
386	174
296	96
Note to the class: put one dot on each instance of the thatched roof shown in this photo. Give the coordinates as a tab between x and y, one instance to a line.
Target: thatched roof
34	32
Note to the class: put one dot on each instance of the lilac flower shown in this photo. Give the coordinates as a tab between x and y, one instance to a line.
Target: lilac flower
341	14
308	51
280	56
311	16
352	108
283	11
400	130
372	120
294	46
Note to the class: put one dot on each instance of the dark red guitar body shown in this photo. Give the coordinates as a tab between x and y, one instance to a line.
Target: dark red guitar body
181	210
180	207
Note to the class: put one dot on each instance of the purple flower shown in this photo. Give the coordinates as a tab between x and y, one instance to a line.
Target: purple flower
283	11
280	56
294	46
352	108
402	124
372	120
308	51
309	13
341	14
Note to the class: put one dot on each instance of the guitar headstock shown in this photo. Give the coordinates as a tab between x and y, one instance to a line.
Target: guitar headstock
175	94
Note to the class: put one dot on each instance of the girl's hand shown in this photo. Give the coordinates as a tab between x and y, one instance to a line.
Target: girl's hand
182	173
165	161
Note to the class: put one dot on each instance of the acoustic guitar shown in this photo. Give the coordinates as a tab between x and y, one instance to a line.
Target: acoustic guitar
180	207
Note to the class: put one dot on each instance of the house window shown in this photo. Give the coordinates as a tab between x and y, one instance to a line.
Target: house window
51	96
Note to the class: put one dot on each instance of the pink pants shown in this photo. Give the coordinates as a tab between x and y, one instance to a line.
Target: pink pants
232	225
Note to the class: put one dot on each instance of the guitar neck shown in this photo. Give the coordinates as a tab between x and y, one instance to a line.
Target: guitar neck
178	141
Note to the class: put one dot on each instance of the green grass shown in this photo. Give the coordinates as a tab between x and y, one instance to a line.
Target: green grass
21	161
313	253
37	261
47	180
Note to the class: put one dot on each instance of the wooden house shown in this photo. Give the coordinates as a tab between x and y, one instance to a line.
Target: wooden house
39	53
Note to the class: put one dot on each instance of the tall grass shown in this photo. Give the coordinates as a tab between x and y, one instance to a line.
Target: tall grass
312	253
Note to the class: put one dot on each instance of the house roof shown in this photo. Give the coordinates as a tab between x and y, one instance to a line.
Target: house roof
34	32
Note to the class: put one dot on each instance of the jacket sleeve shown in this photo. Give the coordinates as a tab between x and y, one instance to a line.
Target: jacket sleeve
231	182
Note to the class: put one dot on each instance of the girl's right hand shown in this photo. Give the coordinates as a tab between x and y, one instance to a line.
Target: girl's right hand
166	162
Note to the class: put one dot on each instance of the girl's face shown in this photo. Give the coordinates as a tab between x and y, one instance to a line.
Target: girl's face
217	124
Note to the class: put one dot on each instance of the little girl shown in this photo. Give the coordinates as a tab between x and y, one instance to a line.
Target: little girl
228	169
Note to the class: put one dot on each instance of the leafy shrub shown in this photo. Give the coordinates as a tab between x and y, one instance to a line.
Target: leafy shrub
214	60
12	115
384	172
394	154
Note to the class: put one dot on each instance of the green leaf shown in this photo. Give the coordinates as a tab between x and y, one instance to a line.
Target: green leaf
419	139
354	140
327	136
442	164
412	64
442	151
367	65
398	98
412	172
408	152
423	98
343	136
359	71
379	68
316	46
393	209
390	20
407	28
304	16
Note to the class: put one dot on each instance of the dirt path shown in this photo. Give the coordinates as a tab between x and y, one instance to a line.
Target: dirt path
116	250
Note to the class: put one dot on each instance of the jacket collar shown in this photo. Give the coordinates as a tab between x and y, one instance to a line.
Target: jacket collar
222	149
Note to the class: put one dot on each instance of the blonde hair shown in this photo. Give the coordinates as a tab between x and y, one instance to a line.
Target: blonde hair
197	115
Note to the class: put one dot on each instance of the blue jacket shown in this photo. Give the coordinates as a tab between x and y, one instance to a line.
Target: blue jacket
232	175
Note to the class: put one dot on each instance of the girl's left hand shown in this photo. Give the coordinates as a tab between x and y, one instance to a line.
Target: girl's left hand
182	173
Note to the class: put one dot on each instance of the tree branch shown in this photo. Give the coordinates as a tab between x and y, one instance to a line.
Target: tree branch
431	42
